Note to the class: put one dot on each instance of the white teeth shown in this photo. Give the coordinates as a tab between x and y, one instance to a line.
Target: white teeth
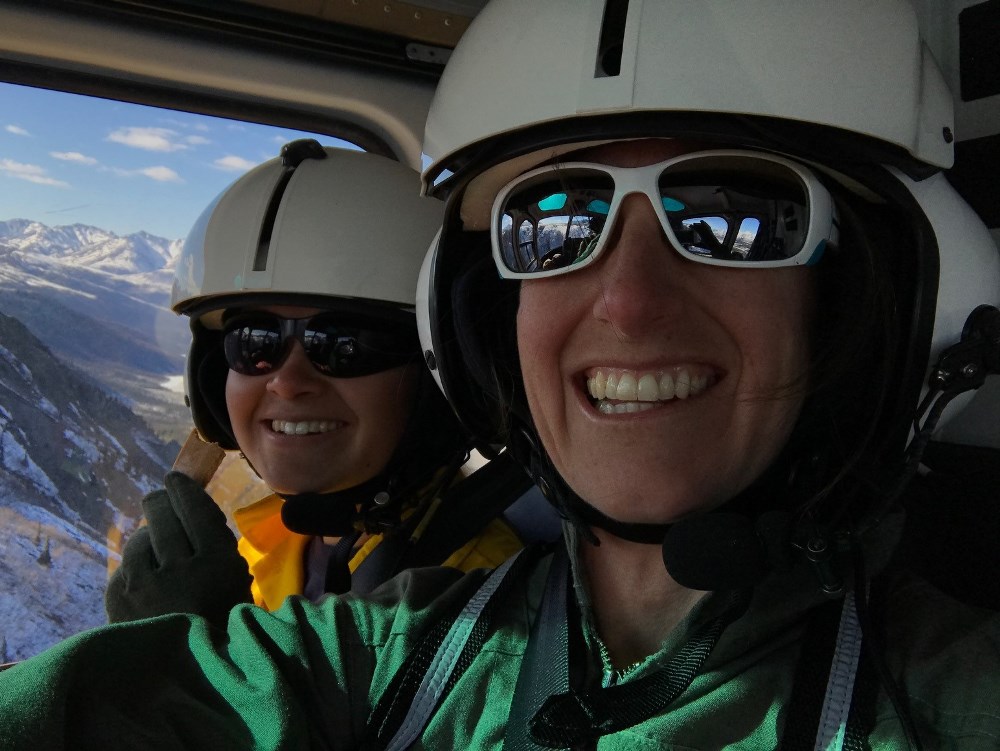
649	389
683	385
305	427
627	388
635	392
611	388
621	408
598	384
666	386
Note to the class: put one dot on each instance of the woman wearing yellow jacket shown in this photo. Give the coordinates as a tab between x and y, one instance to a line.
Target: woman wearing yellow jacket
276	555
300	283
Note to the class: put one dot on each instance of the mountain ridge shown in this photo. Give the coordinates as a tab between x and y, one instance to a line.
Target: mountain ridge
89	418
138	252
101	302
75	462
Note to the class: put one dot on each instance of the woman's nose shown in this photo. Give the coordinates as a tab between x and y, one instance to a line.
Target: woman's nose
640	273
296	376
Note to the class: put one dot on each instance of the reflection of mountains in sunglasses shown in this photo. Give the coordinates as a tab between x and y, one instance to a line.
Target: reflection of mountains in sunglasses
337	346
733	208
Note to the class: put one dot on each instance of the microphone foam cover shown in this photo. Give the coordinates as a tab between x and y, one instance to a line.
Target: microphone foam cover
312	514
714	551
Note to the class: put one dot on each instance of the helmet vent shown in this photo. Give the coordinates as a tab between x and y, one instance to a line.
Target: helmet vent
609	50
292	155
267	226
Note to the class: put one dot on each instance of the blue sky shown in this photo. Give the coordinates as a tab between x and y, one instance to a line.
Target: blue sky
68	159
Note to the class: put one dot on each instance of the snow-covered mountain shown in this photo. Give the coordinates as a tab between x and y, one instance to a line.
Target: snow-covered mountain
75	462
125	280
100	301
94	248
88	349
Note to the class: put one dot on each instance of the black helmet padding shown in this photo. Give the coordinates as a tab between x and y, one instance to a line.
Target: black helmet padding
206	383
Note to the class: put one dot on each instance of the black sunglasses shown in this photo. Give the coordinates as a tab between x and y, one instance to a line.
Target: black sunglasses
336	345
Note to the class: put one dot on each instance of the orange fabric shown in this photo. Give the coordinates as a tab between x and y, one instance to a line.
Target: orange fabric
276	555
496	544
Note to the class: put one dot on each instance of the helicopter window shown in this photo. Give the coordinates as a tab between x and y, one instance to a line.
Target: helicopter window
96	197
746	235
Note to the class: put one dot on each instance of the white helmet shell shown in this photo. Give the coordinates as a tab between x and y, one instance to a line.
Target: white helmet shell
860	67
968	276
424	329
351	225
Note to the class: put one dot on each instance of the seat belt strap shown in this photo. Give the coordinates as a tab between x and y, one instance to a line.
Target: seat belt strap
840	686
436	678
467	508
544	668
823	711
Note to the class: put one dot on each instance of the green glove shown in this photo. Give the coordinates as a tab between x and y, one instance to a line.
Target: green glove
183	561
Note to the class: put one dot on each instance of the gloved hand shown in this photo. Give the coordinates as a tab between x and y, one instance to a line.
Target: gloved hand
183	561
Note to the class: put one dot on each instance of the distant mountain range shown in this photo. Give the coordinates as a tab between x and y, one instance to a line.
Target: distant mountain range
100	301
97	249
88	418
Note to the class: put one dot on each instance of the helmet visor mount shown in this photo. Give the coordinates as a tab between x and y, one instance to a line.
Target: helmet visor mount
732	208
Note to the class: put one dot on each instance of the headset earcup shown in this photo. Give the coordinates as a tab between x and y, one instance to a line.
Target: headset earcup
208	402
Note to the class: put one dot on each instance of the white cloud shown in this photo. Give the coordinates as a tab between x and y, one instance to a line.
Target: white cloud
17	130
148	139
196	140
233	163
161	174
30	172
73	156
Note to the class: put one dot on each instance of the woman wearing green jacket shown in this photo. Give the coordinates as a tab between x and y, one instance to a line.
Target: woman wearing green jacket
722	280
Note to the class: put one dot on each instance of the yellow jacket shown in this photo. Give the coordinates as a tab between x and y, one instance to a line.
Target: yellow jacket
277	555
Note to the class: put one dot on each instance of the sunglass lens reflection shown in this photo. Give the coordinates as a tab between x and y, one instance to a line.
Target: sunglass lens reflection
735	209
253	349
555	222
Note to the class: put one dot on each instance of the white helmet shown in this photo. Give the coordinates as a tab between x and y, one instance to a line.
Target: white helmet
571	59
315	226
845	85
315	221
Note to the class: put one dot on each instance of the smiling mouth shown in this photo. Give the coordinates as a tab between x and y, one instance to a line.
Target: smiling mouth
614	391
304	427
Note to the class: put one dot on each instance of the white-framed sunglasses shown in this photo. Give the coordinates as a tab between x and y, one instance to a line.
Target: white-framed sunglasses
735	208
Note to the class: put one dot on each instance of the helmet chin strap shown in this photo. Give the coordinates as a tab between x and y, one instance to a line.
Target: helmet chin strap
732	547
716	550
375	505
416	471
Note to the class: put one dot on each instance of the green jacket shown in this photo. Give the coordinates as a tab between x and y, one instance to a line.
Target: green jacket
308	675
